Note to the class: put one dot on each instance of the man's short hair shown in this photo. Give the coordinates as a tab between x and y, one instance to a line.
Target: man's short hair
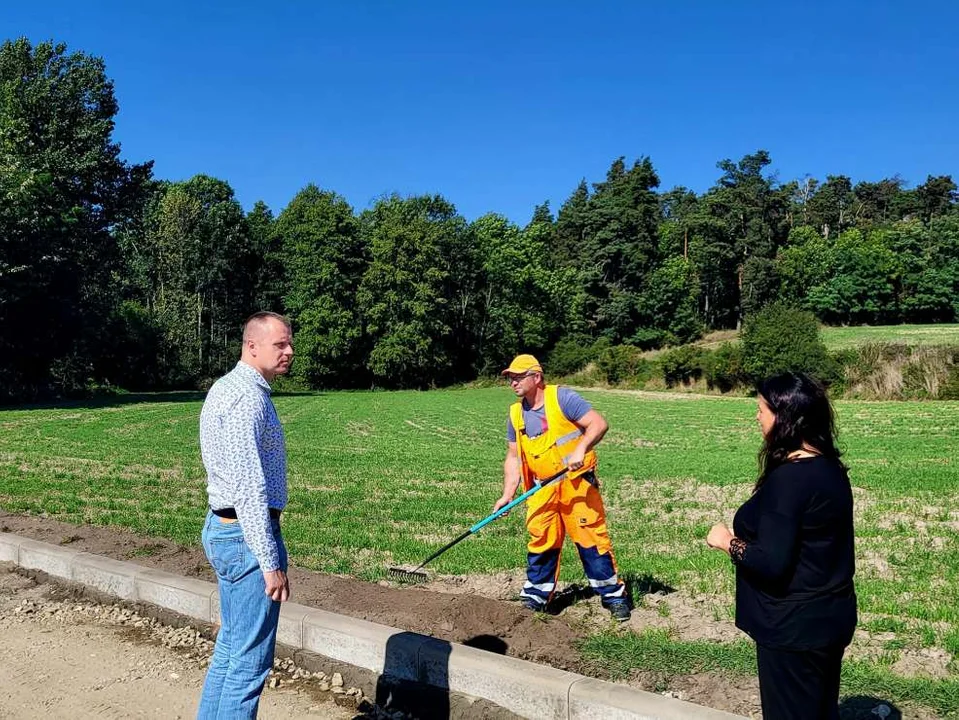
259	318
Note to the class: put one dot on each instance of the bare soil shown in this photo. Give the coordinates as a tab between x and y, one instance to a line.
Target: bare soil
67	659
463	617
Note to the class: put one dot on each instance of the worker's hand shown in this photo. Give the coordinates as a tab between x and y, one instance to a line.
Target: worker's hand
505	500
719	537
576	458
277	585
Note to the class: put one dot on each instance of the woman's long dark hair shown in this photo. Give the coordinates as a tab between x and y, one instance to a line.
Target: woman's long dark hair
803	415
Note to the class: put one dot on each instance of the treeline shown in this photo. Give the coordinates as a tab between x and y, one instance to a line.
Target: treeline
109	276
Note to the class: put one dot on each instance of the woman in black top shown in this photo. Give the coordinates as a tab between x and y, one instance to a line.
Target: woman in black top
793	550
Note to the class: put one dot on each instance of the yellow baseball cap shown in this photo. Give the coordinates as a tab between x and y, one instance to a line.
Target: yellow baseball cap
522	364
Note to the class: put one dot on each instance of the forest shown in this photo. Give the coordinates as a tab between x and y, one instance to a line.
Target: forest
111	277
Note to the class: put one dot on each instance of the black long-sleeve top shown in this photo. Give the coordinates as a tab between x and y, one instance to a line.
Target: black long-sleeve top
794	557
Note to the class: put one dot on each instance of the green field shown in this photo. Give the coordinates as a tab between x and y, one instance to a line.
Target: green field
837	338
381	478
840	338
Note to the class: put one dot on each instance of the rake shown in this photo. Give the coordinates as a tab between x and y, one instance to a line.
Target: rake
417	575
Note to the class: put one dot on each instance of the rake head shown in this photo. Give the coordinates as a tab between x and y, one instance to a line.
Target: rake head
407	575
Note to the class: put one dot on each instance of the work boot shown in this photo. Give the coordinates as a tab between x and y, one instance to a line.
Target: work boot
619	611
531	604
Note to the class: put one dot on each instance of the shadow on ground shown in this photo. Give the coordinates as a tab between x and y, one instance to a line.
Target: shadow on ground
636	586
867	707
415	679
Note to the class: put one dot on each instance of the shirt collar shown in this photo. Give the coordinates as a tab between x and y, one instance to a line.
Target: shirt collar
251	375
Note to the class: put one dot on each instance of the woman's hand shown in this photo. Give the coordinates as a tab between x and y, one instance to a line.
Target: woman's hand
719	537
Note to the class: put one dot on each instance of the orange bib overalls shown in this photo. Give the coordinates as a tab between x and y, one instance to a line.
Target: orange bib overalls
572	506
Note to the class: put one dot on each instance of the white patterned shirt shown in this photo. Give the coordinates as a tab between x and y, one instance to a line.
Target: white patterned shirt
244	452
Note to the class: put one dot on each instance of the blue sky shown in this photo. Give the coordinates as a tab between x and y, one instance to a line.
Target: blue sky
502	105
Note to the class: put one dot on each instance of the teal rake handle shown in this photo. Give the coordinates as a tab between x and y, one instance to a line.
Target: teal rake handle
499	513
522	498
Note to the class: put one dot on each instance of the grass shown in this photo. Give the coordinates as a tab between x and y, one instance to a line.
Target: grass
837	338
662	654
384	478
841	338
665	657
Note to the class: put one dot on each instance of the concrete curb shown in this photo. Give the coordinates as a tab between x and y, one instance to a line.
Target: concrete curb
524	688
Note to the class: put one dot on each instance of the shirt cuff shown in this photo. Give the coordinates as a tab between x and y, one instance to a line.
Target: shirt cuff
271	560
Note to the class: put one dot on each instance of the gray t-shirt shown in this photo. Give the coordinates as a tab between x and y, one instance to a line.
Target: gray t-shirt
570	402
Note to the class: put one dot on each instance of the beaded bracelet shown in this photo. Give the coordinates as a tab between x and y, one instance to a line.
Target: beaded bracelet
737	548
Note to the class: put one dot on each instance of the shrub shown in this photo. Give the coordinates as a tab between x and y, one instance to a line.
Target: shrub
925	372
648	338
589	376
620	363
600	346
780	338
570	355
683	364
896	371
843	361
723	367
950	388
573	354
875	371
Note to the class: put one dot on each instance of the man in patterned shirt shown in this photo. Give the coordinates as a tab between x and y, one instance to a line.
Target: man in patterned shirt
244	453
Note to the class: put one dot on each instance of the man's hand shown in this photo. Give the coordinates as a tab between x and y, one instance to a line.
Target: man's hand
576	457
277	585
719	537
505	500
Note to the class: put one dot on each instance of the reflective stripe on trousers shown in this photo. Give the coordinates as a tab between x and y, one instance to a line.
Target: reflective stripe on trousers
572	507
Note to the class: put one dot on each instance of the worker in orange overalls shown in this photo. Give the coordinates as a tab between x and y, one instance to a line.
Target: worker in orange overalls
548	429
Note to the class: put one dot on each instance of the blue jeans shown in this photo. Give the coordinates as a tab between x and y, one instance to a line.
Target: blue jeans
243	655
